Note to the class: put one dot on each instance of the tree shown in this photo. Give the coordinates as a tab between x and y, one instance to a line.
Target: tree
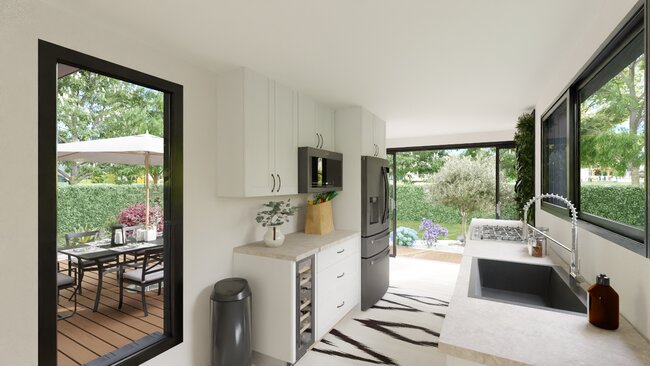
422	164
465	183
612	124
92	106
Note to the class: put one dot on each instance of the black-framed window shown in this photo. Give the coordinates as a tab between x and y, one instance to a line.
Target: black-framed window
556	153
50	58
610	112
604	141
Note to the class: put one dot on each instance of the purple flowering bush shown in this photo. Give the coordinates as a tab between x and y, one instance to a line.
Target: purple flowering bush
431	232
135	215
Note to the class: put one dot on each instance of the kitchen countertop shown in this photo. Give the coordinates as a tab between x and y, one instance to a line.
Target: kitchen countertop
497	333
297	246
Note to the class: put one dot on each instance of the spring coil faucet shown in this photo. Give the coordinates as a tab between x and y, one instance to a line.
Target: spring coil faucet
575	266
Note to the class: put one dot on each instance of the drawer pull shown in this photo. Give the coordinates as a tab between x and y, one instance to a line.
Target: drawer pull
340	251
341	275
340	306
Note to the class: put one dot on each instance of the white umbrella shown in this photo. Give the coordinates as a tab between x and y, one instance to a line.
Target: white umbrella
132	150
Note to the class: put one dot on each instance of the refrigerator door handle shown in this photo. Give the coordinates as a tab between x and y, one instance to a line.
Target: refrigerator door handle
384	172
381	237
383	256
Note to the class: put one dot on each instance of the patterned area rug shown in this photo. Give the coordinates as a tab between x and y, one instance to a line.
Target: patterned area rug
402	329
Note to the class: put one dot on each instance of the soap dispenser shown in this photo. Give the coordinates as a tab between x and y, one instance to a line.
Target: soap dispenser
603	304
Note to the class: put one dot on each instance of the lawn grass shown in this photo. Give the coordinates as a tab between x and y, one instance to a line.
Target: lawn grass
455	230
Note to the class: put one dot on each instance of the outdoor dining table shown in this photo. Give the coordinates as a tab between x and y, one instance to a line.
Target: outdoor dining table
97	251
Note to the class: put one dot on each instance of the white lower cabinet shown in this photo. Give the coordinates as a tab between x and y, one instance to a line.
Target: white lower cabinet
276	301
338	284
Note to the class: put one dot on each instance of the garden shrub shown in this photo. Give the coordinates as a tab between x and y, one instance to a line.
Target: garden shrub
406	236
84	207
624	204
414	203
431	231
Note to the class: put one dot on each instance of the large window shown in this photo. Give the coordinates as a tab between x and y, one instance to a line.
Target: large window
612	142
451	185
594	141
110	211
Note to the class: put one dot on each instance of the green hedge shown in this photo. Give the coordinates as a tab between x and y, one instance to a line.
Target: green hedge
414	204
624	204
84	207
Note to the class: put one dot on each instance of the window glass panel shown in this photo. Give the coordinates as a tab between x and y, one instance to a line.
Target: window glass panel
110	136
555	153
507	178
612	139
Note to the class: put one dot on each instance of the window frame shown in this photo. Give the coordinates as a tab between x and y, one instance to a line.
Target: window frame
570	161
49	55
629	237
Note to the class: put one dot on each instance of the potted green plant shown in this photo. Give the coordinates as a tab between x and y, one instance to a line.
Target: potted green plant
275	214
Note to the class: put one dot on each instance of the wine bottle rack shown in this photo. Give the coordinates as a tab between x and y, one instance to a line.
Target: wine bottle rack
305	273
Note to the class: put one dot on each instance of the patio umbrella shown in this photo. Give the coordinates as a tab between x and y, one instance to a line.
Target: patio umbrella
132	150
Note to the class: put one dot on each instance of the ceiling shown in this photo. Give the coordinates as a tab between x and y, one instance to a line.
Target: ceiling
427	67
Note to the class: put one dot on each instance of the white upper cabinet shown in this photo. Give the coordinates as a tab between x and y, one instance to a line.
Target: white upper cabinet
316	124
257	138
286	140
373	135
325	126
308	135
379	136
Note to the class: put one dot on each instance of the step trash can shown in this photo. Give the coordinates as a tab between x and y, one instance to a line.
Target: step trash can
231	323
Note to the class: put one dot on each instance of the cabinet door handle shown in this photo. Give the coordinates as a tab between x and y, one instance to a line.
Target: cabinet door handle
340	251
279	183
340	306
341	275
273	189
322	140
317	139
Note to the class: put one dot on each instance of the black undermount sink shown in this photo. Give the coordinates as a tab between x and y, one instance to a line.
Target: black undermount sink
532	285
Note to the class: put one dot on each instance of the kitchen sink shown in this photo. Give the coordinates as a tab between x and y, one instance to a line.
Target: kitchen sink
532	285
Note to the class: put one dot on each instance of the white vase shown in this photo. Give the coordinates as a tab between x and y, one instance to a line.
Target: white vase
273	237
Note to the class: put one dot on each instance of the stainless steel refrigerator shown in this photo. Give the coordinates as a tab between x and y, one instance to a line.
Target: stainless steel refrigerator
374	230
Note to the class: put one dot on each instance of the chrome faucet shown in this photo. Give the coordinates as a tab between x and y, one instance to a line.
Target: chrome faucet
574	269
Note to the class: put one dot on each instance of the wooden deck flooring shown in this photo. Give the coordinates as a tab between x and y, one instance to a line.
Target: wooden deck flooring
86	335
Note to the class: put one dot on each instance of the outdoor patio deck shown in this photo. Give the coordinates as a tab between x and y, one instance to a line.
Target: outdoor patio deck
87	335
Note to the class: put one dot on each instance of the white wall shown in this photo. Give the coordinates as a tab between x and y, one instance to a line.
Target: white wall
213	226
629	272
465	138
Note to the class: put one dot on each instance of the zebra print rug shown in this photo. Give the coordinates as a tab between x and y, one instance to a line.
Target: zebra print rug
402	329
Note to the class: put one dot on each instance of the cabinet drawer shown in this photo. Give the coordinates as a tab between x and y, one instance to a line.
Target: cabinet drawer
335	254
332	308
339	276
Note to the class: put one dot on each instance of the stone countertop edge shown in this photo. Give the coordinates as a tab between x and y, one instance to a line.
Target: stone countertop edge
495	333
297	246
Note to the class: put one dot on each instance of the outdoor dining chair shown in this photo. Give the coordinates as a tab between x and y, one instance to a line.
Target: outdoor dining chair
149	273
63	282
99	266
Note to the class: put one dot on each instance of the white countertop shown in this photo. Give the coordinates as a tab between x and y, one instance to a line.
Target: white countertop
297	246
497	333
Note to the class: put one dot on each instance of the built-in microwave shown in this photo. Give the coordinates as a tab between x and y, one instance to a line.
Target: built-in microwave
319	170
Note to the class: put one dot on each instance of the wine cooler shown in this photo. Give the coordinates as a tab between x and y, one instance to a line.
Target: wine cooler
305	305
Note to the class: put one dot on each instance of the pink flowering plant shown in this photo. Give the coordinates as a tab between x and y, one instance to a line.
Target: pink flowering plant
431	232
135	215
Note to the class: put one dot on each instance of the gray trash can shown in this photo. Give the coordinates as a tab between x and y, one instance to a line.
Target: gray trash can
231	323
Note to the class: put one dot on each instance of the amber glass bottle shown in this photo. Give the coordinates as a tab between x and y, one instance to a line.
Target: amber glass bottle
603	304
